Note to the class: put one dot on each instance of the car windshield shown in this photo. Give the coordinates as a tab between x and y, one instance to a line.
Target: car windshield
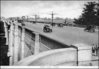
46	26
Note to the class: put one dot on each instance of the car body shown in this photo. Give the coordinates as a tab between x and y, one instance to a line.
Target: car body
47	28
60	25
89	29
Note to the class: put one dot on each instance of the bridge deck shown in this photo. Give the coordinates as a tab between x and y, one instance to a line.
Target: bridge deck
67	35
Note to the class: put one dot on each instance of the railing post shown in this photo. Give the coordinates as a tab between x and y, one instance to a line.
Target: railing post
16	43
36	48
22	42
11	42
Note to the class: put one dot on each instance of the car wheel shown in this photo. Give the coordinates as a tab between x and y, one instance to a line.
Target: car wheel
51	30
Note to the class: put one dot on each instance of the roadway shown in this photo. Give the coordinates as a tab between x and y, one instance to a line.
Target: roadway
67	35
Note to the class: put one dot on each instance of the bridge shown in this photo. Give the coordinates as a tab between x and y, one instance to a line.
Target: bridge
28	45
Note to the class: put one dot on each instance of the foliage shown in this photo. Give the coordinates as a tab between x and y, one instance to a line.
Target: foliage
90	15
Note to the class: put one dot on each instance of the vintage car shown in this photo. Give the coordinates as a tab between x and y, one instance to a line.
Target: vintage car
22	22
89	29
47	28
60	25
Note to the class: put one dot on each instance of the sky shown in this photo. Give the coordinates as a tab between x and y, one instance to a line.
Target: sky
63	9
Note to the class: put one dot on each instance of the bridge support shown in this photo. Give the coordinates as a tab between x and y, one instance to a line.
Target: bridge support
16	44
11	46
36	48
22	42
6	32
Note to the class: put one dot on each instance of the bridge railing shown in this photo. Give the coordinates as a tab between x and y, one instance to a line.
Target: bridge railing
56	57
24	43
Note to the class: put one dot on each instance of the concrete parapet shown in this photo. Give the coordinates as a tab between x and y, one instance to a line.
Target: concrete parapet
66	56
84	54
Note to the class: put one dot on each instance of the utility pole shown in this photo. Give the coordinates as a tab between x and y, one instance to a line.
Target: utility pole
27	18
35	17
52	15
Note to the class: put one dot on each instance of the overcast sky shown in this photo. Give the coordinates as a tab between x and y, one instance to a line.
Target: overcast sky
70	9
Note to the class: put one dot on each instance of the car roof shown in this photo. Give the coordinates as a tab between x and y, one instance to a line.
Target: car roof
46	25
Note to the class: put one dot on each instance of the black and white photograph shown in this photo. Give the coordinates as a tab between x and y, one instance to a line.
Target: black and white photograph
49	34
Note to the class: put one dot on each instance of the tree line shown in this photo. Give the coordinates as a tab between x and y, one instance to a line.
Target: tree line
90	15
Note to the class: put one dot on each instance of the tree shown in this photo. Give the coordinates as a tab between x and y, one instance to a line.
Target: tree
89	15
97	14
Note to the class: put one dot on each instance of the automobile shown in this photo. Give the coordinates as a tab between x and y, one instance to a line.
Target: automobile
47	28
89	29
52	24
20	21
60	25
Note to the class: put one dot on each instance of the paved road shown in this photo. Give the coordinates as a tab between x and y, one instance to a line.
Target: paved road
67	35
